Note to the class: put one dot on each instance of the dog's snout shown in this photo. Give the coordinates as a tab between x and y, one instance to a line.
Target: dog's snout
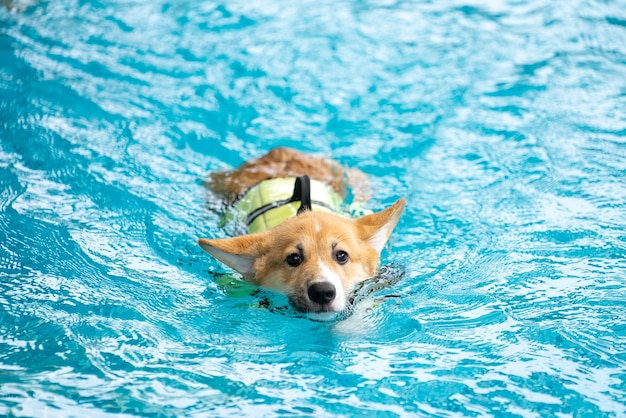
322	292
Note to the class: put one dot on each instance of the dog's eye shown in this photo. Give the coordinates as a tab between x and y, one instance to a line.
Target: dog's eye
341	257
294	260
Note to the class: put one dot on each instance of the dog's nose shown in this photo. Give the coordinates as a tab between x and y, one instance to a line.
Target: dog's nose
322	292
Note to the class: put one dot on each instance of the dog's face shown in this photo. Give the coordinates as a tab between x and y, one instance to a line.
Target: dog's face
315	258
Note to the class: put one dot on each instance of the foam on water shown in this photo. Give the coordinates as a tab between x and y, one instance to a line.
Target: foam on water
502	123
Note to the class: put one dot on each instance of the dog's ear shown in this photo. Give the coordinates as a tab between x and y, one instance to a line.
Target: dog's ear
376	228
239	253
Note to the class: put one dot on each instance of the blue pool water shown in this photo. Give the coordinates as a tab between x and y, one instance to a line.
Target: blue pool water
502	123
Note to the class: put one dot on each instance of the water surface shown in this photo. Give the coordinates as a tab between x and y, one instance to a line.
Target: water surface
502	123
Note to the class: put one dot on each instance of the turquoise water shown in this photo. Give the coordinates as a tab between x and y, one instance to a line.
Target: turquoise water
502	123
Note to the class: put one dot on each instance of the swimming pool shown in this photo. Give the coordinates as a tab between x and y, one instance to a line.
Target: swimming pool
502	123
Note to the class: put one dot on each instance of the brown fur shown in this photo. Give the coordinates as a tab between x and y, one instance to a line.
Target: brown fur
286	162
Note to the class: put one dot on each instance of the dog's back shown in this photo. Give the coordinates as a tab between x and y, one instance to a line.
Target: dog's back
286	162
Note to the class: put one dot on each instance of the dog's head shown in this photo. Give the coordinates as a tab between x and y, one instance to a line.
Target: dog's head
315	258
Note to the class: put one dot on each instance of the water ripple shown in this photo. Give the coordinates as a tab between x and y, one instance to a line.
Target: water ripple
501	123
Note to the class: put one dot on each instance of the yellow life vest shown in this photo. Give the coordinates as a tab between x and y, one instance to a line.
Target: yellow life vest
272	201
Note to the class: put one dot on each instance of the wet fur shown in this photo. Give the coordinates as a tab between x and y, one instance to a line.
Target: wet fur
286	162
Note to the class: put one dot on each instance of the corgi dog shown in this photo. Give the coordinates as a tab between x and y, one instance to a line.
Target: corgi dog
301	241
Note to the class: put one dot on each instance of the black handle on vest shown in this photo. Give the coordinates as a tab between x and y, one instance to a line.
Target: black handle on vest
302	193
